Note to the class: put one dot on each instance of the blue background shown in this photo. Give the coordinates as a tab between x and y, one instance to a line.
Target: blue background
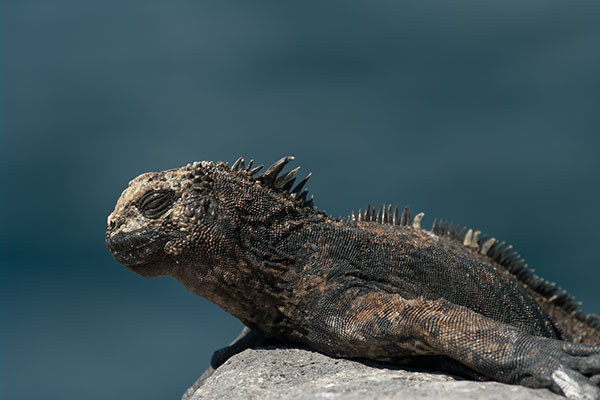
487	113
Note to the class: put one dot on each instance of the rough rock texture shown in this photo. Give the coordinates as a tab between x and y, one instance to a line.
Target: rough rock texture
292	373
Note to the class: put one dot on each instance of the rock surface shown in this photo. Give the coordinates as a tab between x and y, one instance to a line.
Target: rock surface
292	373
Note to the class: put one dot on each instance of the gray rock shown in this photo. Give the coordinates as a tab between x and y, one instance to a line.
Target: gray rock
292	373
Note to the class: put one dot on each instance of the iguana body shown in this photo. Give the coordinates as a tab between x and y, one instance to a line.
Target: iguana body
376	286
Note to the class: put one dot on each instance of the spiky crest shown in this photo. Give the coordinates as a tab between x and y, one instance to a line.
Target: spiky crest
273	178
487	246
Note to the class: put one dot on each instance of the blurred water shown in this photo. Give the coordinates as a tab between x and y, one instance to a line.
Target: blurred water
483	113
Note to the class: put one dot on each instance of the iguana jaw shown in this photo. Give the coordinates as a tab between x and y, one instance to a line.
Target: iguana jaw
140	250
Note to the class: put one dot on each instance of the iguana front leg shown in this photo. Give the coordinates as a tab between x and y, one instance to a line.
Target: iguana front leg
362	323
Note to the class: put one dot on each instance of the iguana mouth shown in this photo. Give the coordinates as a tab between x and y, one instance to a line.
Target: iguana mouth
138	247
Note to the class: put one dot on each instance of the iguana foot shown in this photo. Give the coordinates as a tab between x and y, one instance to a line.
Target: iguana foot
567	368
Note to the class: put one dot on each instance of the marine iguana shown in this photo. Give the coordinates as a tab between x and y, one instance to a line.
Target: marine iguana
375	286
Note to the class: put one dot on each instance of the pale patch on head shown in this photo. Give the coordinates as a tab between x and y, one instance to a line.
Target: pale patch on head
173	179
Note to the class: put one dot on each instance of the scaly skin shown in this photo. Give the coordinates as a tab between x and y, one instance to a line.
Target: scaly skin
376	287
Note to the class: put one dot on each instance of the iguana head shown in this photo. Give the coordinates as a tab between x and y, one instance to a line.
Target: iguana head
199	215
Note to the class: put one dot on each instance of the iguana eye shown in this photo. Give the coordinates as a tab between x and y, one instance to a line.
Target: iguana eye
154	203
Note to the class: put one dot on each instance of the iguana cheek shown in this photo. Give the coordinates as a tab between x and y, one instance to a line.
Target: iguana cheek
176	247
